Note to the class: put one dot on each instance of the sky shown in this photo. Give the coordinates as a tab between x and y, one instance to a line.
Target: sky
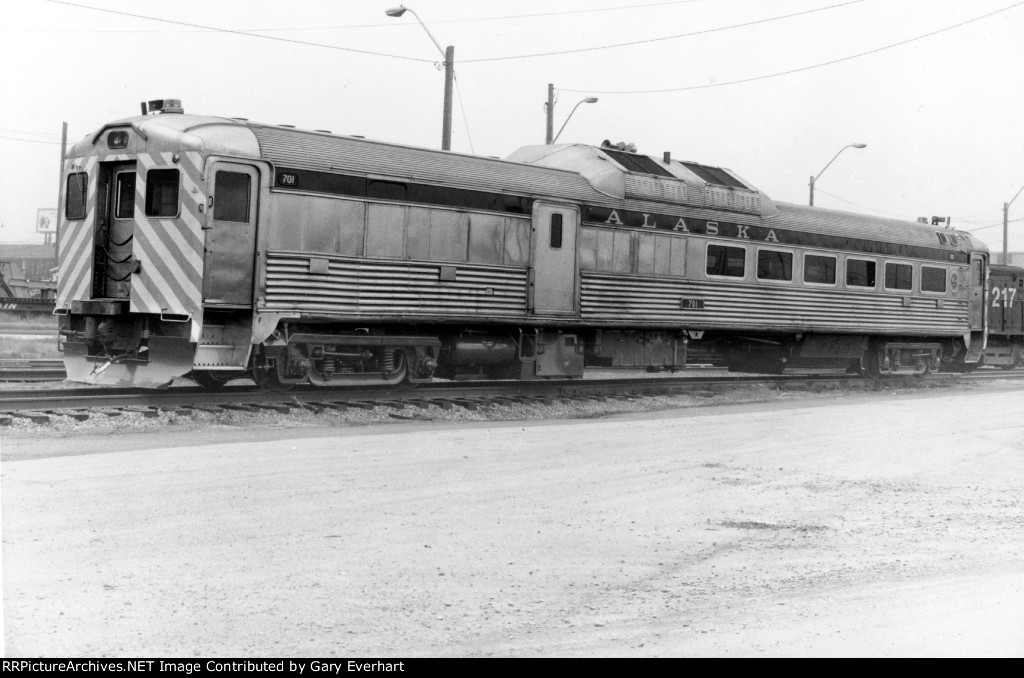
771	89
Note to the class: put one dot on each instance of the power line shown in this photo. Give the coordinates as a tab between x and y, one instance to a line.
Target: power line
864	207
804	68
248	35
29	141
982	228
28	134
465	120
662	39
388	24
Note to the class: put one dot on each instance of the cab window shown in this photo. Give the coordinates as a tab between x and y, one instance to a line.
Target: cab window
74	203
162	193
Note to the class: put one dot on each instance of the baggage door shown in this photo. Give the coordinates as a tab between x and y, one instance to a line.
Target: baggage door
230	254
553	272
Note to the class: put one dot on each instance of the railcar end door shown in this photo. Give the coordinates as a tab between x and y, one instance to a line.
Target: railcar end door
977	293
231	234
553	272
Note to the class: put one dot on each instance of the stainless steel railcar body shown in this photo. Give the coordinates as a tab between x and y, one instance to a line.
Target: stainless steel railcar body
220	247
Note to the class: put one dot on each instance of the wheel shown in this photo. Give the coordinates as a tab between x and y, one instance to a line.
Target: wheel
268	378
869	365
210	380
1017	357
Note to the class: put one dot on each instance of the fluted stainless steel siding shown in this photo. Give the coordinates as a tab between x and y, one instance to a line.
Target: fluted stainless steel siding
634	301
395	289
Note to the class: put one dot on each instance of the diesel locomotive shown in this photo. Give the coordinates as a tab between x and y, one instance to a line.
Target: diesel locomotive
216	248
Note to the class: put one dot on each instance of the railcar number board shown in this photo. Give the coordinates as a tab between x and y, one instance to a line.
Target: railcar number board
685	303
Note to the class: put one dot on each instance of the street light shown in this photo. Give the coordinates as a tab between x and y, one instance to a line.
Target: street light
1006	223
815	178
550	107
449	75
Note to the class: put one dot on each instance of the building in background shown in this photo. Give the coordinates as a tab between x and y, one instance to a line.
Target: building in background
36	262
1013	258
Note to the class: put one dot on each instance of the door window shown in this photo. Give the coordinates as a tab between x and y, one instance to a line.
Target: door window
556	231
125	195
231	202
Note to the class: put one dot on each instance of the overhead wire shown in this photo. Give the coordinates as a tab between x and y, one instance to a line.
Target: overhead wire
243	33
29	141
803	68
659	39
390	24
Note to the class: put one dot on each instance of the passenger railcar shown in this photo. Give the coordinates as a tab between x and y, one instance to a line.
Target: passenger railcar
218	247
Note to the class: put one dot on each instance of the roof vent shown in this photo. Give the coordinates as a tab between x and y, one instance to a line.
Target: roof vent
162	106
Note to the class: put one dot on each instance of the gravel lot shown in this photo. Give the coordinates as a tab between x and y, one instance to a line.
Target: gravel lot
883	523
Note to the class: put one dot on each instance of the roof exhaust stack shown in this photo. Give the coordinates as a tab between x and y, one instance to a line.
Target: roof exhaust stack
668	157
162	106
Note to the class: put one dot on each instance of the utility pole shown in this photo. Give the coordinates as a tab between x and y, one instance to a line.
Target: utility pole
60	191
449	77
550	108
1006	227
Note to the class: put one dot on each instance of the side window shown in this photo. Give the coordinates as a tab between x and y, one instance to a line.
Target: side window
556	231
231	201
819	270
125	195
77	189
162	193
933	279
860	273
774	265
976	273
899	276
726	261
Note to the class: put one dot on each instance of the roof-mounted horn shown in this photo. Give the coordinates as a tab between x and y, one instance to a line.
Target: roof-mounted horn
162	106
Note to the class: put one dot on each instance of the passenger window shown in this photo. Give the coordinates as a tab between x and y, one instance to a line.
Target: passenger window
231	201
556	231
726	261
860	273
899	277
819	270
933	279
773	265
162	193
125	205
74	204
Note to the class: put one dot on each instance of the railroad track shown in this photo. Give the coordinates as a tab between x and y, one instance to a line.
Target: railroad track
40	406
31	370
